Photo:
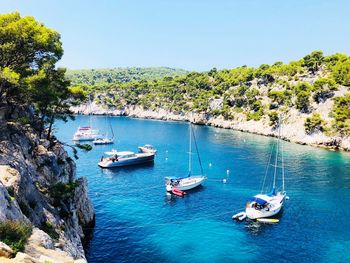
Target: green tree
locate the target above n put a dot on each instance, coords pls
(274, 118)
(28, 54)
(314, 124)
(341, 113)
(25, 45)
(341, 72)
(323, 89)
(303, 101)
(314, 60)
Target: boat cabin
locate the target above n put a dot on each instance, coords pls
(259, 202)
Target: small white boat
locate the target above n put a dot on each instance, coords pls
(125, 158)
(147, 148)
(101, 141)
(239, 216)
(85, 134)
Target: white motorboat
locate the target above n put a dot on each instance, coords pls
(125, 158)
(267, 205)
(85, 134)
(190, 181)
(101, 141)
(147, 148)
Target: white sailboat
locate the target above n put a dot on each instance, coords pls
(270, 204)
(105, 140)
(191, 181)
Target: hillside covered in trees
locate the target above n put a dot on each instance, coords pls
(311, 93)
(102, 76)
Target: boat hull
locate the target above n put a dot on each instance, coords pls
(139, 159)
(274, 209)
(189, 183)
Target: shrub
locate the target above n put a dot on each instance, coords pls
(324, 88)
(15, 234)
(341, 113)
(273, 116)
(314, 124)
(341, 72)
(63, 191)
(303, 102)
(49, 229)
(256, 116)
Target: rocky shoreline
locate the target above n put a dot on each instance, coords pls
(31, 171)
(293, 126)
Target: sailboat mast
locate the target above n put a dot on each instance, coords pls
(190, 149)
(282, 163)
(276, 158)
(90, 111)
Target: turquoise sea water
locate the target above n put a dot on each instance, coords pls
(137, 222)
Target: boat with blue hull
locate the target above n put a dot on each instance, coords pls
(125, 158)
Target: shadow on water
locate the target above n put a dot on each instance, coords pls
(256, 228)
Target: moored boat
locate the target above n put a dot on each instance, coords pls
(190, 181)
(270, 204)
(125, 158)
(85, 133)
(147, 148)
(101, 141)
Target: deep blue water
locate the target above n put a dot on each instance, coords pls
(137, 222)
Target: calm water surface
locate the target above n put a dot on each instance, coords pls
(137, 222)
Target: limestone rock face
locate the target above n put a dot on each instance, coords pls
(5, 250)
(29, 168)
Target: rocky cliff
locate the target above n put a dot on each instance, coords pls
(38, 186)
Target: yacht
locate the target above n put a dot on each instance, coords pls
(118, 159)
(147, 148)
(85, 134)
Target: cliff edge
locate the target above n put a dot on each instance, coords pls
(39, 189)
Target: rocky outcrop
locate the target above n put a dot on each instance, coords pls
(293, 126)
(30, 168)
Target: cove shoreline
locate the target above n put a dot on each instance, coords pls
(293, 130)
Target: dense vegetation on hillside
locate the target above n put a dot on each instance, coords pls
(100, 76)
(29, 78)
(255, 93)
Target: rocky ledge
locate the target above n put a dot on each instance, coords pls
(39, 188)
(293, 125)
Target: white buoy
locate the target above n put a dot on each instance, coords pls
(209, 164)
(227, 172)
(224, 181)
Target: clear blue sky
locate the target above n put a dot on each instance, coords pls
(190, 34)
